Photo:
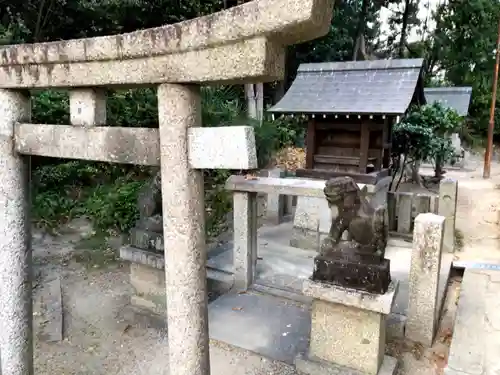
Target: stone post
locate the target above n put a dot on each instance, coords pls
(87, 107)
(447, 207)
(179, 107)
(275, 208)
(245, 239)
(424, 278)
(16, 311)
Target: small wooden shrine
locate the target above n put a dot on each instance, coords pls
(351, 108)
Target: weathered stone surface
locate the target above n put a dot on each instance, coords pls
(149, 288)
(16, 332)
(348, 326)
(306, 364)
(137, 145)
(447, 207)
(87, 107)
(179, 107)
(226, 147)
(313, 214)
(347, 336)
(146, 240)
(229, 45)
(364, 272)
(245, 239)
(286, 186)
(476, 333)
(381, 303)
(144, 257)
(424, 278)
(52, 311)
(380, 190)
(275, 203)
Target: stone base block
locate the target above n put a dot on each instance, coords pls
(307, 364)
(348, 327)
(147, 240)
(143, 318)
(364, 272)
(149, 288)
(306, 239)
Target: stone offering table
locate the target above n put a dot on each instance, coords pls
(347, 331)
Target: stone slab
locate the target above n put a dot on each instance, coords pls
(225, 147)
(146, 240)
(276, 328)
(380, 303)
(138, 145)
(315, 366)
(52, 311)
(312, 214)
(283, 186)
(476, 335)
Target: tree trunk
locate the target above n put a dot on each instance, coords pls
(360, 32)
(404, 27)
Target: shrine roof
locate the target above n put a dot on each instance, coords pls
(457, 98)
(355, 87)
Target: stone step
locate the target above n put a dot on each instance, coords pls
(476, 336)
(276, 328)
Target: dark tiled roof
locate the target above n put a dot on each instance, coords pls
(457, 98)
(354, 87)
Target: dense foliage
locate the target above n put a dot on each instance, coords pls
(107, 193)
(423, 135)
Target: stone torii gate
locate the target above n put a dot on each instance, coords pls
(244, 44)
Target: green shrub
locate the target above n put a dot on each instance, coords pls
(107, 193)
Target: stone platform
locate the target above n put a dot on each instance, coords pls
(282, 268)
(476, 338)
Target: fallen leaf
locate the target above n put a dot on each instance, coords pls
(127, 328)
(251, 177)
(237, 308)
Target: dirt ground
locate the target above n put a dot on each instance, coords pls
(96, 290)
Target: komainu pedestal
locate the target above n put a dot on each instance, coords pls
(351, 289)
(347, 331)
(357, 262)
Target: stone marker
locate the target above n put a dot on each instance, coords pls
(275, 207)
(245, 239)
(447, 207)
(424, 278)
(347, 331)
(311, 223)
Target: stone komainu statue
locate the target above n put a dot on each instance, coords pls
(150, 205)
(367, 226)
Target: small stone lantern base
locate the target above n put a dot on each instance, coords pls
(347, 331)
